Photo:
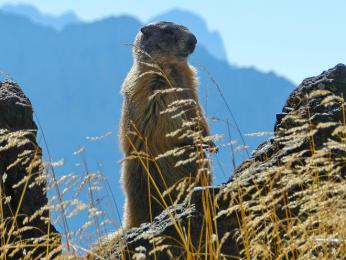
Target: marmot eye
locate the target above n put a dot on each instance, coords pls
(168, 31)
(146, 30)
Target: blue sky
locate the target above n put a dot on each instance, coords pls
(296, 38)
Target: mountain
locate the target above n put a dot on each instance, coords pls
(73, 79)
(56, 22)
(211, 40)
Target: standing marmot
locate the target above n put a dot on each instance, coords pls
(163, 132)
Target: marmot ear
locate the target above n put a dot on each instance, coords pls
(146, 30)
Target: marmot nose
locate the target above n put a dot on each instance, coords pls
(191, 43)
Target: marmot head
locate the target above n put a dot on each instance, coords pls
(164, 42)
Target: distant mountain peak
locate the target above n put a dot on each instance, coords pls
(211, 40)
(36, 16)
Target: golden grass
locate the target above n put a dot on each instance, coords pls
(14, 226)
(292, 209)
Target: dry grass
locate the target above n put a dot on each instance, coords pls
(292, 210)
(295, 207)
(15, 226)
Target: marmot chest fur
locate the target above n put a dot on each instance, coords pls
(163, 131)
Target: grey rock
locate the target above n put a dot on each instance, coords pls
(21, 178)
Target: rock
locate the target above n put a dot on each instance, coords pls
(25, 221)
(16, 109)
(286, 201)
(162, 239)
(293, 188)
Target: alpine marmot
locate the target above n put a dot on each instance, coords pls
(163, 131)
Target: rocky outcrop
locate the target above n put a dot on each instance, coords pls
(294, 187)
(286, 201)
(24, 216)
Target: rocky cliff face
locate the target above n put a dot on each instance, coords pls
(24, 217)
(286, 201)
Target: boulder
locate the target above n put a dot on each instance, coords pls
(24, 220)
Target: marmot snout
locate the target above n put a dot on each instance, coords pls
(163, 131)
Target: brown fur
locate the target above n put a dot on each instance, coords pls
(144, 127)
